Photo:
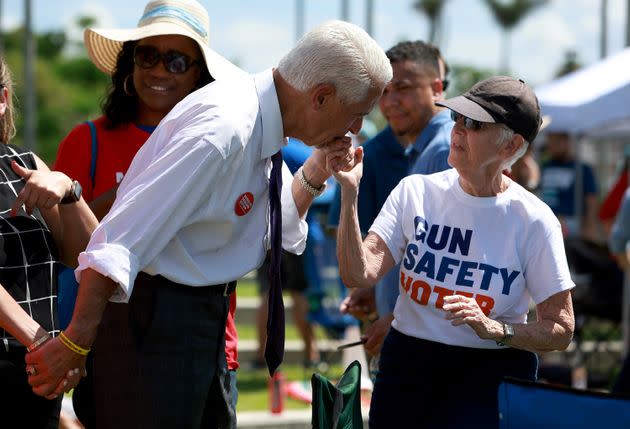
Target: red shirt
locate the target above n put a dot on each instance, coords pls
(115, 150)
(231, 336)
(611, 204)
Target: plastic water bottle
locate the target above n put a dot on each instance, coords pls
(276, 393)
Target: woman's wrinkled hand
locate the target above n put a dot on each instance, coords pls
(463, 310)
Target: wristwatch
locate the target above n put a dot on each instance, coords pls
(508, 333)
(74, 195)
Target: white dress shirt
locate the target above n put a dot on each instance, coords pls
(176, 211)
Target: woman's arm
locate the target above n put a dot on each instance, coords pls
(17, 322)
(552, 330)
(70, 224)
(361, 263)
(100, 205)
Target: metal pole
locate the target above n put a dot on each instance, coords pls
(603, 42)
(628, 23)
(578, 190)
(345, 10)
(369, 17)
(30, 111)
(299, 19)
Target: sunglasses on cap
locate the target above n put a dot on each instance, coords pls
(147, 56)
(469, 124)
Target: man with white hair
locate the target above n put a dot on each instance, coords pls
(196, 211)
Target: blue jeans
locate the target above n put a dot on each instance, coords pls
(233, 389)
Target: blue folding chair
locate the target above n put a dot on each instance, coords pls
(527, 405)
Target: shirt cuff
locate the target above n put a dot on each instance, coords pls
(294, 229)
(112, 261)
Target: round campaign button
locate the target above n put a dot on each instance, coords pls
(244, 204)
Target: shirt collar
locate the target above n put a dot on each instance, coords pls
(272, 131)
(428, 132)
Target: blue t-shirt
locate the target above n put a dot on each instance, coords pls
(294, 154)
(384, 164)
(433, 145)
(557, 186)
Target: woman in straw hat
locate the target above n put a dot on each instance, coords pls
(153, 67)
(35, 232)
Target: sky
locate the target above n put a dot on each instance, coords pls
(256, 33)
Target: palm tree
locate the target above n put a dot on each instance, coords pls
(569, 65)
(433, 11)
(508, 14)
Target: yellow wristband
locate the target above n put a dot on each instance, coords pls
(72, 346)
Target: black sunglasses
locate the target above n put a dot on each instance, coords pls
(469, 124)
(147, 56)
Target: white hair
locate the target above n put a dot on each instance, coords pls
(337, 53)
(505, 134)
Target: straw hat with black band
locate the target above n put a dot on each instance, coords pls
(160, 17)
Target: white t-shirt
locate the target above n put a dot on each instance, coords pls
(500, 250)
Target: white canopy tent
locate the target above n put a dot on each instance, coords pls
(593, 102)
(590, 98)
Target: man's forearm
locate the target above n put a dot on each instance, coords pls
(78, 222)
(94, 293)
(315, 175)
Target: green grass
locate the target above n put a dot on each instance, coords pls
(248, 332)
(253, 386)
(247, 287)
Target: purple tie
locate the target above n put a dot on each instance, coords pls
(274, 348)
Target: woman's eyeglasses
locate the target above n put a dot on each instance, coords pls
(147, 56)
(469, 124)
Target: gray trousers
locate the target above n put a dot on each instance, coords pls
(159, 361)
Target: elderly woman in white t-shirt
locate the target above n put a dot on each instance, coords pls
(474, 247)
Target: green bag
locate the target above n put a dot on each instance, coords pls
(338, 406)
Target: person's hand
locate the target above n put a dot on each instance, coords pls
(464, 310)
(375, 333)
(350, 178)
(334, 156)
(49, 366)
(328, 158)
(43, 189)
(360, 303)
(340, 156)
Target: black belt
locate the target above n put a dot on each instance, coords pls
(224, 289)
